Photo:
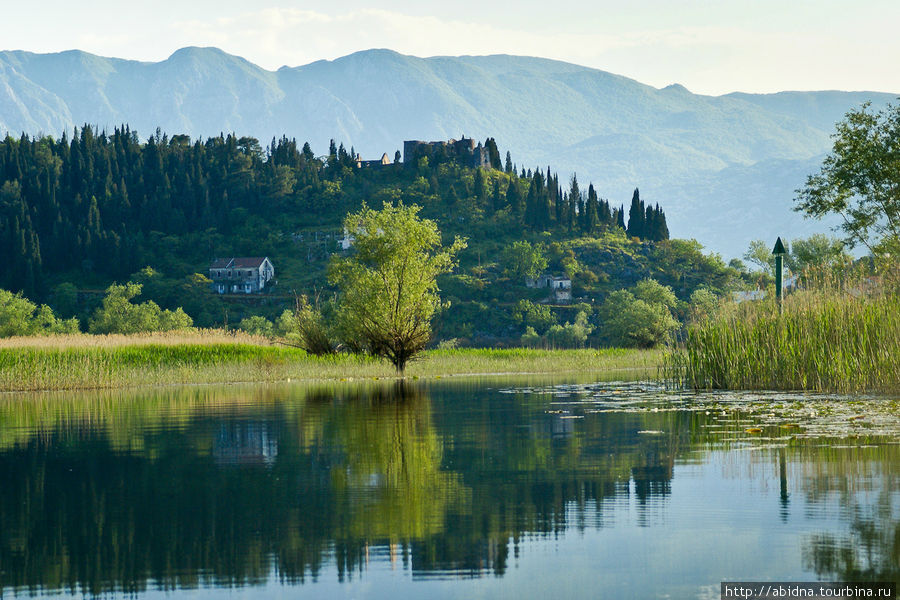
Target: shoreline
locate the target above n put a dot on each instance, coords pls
(61, 364)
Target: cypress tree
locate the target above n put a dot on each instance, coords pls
(493, 153)
(592, 212)
(513, 197)
(480, 187)
(605, 215)
(636, 216)
(575, 196)
(662, 229)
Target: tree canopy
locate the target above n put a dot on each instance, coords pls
(524, 260)
(119, 315)
(860, 180)
(388, 284)
(640, 317)
(20, 316)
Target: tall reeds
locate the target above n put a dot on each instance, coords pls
(839, 332)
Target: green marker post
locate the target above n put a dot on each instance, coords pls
(778, 251)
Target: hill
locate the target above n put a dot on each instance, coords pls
(78, 213)
(695, 154)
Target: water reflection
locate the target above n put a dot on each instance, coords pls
(223, 487)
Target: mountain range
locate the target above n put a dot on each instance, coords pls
(724, 168)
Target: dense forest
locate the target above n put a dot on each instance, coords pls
(95, 208)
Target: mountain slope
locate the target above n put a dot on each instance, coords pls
(689, 152)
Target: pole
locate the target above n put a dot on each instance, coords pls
(778, 251)
(779, 265)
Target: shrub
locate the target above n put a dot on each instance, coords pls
(119, 315)
(21, 316)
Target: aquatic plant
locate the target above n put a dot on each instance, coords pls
(840, 332)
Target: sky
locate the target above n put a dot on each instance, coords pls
(709, 46)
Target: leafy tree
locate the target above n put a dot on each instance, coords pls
(531, 338)
(570, 335)
(760, 254)
(21, 316)
(640, 319)
(257, 325)
(818, 250)
(388, 284)
(653, 292)
(521, 259)
(305, 327)
(860, 180)
(119, 315)
(703, 304)
(537, 316)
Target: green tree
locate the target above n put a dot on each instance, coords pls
(703, 304)
(531, 338)
(570, 335)
(21, 316)
(636, 216)
(257, 325)
(760, 254)
(389, 291)
(818, 250)
(306, 328)
(653, 292)
(537, 316)
(521, 259)
(860, 180)
(119, 315)
(640, 319)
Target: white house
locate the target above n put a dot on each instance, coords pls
(244, 275)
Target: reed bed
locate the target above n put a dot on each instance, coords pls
(840, 333)
(99, 362)
(166, 338)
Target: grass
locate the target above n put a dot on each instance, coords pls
(98, 362)
(839, 334)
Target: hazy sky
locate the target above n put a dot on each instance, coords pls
(710, 46)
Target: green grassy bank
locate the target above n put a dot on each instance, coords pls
(825, 340)
(95, 362)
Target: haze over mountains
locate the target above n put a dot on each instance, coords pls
(724, 168)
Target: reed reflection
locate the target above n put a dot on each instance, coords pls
(239, 486)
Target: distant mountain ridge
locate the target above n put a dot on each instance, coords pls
(723, 167)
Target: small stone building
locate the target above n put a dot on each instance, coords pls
(465, 152)
(561, 287)
(382, 162)
(243, 275)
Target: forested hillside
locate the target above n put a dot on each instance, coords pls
(744, 154)
(85, 211)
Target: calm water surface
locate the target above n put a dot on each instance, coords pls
(457, 489)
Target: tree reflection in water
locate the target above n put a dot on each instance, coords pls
(236, 486)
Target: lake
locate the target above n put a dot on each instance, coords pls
(455, 488)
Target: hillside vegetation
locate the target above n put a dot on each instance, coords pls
(744, 153)
(79, 214)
